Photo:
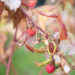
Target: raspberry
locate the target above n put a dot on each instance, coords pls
(32, 4)
(31, 32)
(50, 69)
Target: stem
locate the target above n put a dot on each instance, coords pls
(41, 71)
(51, 15)
(12, 50)
(3, 61)
(15, 40)
(67, 60)
(10, 59)
(21, 36)
(72, 70)
(73, 66)
(13, 69)
(72, 58)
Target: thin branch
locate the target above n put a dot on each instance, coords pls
(72, 70)
(11, 53)
(21, 36)
(73, 66)
(51, 15)
(41, 71)
(16, 30)
(67, 61)
(72, 58)
(13, 69)
(10, 59)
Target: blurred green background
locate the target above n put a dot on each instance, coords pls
(23, 61)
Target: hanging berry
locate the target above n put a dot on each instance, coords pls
(50, 69)
(32, 3)
(31, 32)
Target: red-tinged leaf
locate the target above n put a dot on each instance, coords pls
(29, 47)
(63, 30)
(17, 18)
(63, 36)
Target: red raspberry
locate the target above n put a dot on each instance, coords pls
(31, 32)
(50, 69)
(32, 4)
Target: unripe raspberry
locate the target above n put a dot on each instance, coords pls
(50, 69)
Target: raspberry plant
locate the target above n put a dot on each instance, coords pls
(23, 10)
